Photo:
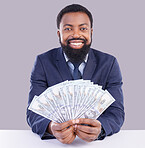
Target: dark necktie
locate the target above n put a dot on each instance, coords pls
(76, 72)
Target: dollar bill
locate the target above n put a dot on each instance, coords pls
(71, 100)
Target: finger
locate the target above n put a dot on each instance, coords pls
(60, 126)
(88, 129)
(72, 139)
(63, 134)
(86, 137)
(92, 122)
(67, 139)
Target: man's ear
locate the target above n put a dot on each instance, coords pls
(91, 31)
(58, 33)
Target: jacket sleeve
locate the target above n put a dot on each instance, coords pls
(113, 118)
(39, 84)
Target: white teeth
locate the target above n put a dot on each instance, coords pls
(76, 44)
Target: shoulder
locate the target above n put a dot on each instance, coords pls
(47, 57)
(99, 53)
(49, 53)
(102, 56)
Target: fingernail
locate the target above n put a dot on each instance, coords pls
(73, 121)
(77, 121)
(75, 127)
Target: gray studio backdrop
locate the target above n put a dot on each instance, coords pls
(28, 28)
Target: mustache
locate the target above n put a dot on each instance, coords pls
(68, 41)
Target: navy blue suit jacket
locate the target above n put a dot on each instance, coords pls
(51, 68)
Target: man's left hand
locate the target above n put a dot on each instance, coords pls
(87, 133)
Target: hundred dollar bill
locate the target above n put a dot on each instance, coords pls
(70, 92)
(86, 98)
(99, 106)
(72, 99)
(37, 107)
(57, 103)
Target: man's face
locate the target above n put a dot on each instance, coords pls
(75, 35)
(75, 25)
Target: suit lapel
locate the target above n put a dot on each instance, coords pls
(62, 66)
(64, 69)
(90, 66)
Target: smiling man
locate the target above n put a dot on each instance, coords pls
(75, 34)
(75, 28)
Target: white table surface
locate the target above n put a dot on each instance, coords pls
(27, 139)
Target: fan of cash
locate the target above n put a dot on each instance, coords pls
(71, 100)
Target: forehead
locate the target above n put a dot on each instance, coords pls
(75, 18)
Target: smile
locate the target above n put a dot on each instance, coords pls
(76, 44)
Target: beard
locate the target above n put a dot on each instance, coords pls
(76, 55)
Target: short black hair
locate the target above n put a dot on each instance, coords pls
(74, 8)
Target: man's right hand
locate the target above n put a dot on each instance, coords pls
(64, 132)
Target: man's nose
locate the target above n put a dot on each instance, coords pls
(76, 33)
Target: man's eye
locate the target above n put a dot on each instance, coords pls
(68, 29)
(83, 28)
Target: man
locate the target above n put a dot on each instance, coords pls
(75, 30)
